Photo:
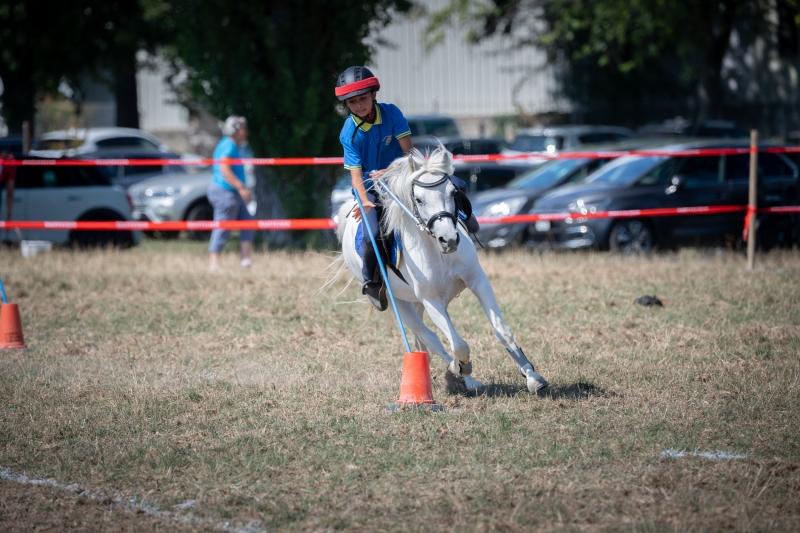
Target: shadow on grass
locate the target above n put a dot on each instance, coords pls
(571, 391)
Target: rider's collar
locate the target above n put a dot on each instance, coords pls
(363, 125)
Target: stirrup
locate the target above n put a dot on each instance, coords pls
(376, 294)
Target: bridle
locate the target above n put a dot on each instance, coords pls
(437, 216)
(426, 226)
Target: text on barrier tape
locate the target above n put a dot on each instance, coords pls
(296, 224)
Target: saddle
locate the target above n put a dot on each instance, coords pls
(390, 247)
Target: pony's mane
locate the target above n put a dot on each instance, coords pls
(399, 177)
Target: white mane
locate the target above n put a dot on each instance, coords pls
(399, 178)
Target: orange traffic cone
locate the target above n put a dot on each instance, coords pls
(10, 327)
(415, 384)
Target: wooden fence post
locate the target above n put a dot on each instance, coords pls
(752, 203)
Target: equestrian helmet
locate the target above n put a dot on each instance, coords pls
(355, 81)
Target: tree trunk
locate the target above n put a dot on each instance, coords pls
(125, 90)
(18, 100)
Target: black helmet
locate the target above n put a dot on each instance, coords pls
(355, 81)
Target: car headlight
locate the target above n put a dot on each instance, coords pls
(504, 208)
(162, 191)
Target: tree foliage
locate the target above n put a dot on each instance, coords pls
(629, 59)
(276, 63)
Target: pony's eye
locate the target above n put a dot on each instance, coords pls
(418, 200)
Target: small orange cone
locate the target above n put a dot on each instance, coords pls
(415, 384)
(10, 327)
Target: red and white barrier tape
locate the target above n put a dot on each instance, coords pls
(313, 161)
(328, 224)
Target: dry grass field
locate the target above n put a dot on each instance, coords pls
(247, 400)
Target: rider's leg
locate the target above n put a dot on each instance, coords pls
(372, 287)
(464, 206)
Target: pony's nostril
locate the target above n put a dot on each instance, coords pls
(442, 240)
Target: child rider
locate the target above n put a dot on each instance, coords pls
(373, 135)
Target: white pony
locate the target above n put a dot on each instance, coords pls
(438, 261)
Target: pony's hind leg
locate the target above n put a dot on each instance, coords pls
(483, 290)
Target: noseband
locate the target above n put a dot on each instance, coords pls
(428, 226)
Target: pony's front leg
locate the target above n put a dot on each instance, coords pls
(483, 290)
(422, 333)
(461, 366)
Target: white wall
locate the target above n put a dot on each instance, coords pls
(459, 79)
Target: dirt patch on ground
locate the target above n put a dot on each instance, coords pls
(35, 508)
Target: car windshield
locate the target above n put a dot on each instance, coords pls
(57, 144)
(625, 170)
(547, 175)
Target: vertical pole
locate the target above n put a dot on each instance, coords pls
(752, 203)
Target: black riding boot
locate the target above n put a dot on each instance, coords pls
(373, 287)
(464, 207)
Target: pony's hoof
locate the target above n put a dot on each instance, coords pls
(536, 383)
(457, 368)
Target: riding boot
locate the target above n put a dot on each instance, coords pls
(472, 224)
(373, 288)
(465, 213)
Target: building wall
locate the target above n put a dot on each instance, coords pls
(472, 83)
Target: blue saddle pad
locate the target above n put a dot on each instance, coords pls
(395, 246)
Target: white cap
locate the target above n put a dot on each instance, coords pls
(233, 124)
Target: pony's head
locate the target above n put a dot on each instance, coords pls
(423, 186)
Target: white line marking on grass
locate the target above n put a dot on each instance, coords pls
(713, 455)
(133, 503)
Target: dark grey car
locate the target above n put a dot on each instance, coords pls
(664, 181)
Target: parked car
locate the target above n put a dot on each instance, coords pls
(64, 193)
(488, 175)
(643, 182)
(519, 195)
(127, 175)
(341, 193)
(459, 145)
(12, 145)
(173, 197)
(558, 138)
(679, 126)
(436, 125)
(73, 142)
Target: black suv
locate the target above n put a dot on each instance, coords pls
(645, 182)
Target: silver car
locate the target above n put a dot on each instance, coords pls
(173, 197)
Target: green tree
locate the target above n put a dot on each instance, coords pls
(33, 61)
(276, 63)
(42, 49)
(628, 60)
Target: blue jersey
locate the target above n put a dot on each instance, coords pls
(227, 148)
(373, 146)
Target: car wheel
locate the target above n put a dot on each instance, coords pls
(631, 237)
(200, 211)
(96, 239)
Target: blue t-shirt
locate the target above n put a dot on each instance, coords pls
(227, 148)
(373, 146)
